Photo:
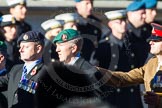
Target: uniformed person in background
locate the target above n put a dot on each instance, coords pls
(70, 20)
(114, 53)
(150, 74)
(8, 29)
(151, 12)
(19, 10)
(51, 27)
(88, 24)
(136, 33)
(3, 72)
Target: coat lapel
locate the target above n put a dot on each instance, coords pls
(79, 62)
(34, 70)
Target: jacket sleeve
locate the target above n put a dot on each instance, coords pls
(160, 103)
(3, 83)
(121, 79)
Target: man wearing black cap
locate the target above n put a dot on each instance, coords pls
(150, 74)
(89, 25)
(136, 31)
(114, 53)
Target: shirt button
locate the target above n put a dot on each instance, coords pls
(118, 90)
(131, 90)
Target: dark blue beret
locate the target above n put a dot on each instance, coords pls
(136, 5)
(150, 3)
(31, 36)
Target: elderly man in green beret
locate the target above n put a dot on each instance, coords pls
(68, 46)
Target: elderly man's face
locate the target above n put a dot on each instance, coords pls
(84, 8)
(65, 51)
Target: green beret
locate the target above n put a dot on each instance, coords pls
(66, 35)
(3, 46)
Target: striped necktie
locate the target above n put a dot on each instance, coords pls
(24, 72)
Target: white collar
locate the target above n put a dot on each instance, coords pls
(73, 61)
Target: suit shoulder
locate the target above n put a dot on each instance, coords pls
(17, 67)
(153, 60)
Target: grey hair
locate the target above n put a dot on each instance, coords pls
(78, 42)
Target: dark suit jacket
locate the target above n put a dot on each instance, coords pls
(19, 98)
(93, 74)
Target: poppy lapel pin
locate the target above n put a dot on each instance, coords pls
(34, 71)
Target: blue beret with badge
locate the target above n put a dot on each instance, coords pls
(7, 20)
(31, 36)
(136, 5)
(150, 3)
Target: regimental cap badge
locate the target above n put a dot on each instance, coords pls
(153, 31)
(25, 37)
(64, 37)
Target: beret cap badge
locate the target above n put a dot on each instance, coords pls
(25, 37)
(64, 37)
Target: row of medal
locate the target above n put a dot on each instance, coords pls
(28, 85)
